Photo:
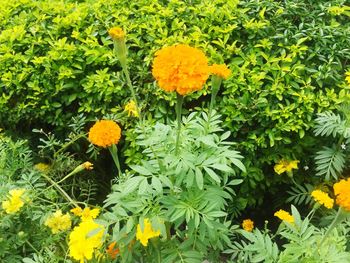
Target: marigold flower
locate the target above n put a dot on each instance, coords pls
(15, 202)
(131, 109)
(147, 232)
(112, 250)
(42, 167)
(86, 213)
(285, 216)
(180, 68)
(285, 166)
(342, 193)
(248, 225)
(88, 166)
(58, 222)
(347, 77)
(322, 198)
(85, 239)
(116, 33)
(221, 70)
(105, 133)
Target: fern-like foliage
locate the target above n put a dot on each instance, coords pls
(300, 194)
(330, 162)
(329, 123)
(260, 248)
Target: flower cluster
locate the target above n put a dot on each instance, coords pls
(322, 198)
(15, 201)
(180, 68)
(285, 216)
(248, 225)
(285, 166)
(147, 232)
(105, 133)
(42, 167)
(342, 194)
(85, 239)
(58, 222)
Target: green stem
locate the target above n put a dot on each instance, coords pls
(69, 143)
(120, 50)
(114, 152)
(64, 194)
(179, 102)
(338, 218)
(30, 244)
(215, 86)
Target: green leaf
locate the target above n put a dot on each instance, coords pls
(212, 174)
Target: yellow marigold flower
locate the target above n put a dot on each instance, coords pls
(88, 166)
(284, 215)
(85, 239)
(14, 202)
(180, 68)
(131, 109)
(116, 33)
(42, 167)
(322, 198)
(285, 166)
(336, 10)
(58, 222)
(342, 194)
(86, 213)
(347, 78)
(220, 70)
(105, 133)
(147, 232)
(248, 225)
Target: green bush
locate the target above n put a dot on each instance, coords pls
(287, 57)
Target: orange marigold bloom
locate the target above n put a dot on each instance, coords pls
(180, 68)
(105, 133)
(342, 193)
(113, 250)
(116, 33)
(248, 225)
(221, 70)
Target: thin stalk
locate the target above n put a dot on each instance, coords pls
(179, 102)
(69, 143)
(64, 194)
(338, 218)
(215, 86)
(114, 152)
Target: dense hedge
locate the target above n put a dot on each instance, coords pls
(288, 60)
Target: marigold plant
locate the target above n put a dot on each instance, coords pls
(147, 233)
(116, 33)
(105, 133)
(220, 70)
(85, 239)
(58, 222)
(131, 109)
(86, 213)
(322, 198)
(248, 225)
(284, 215)
(285, 166)
(342, 193)
(15, 201)
(180, 68)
